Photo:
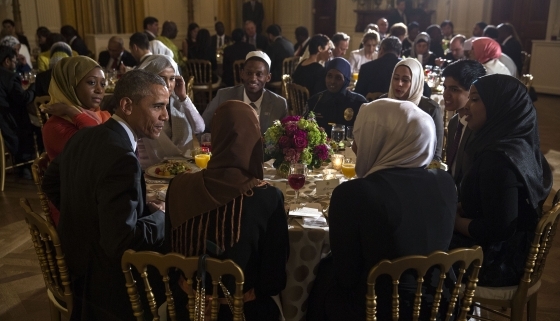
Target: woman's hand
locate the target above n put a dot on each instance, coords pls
(60, 110)
(180, 88)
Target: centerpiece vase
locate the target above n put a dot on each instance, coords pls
(283, 170)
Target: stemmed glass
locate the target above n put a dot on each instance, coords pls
(296, 178)
(350, 134)
(349, 168)
(337, 134)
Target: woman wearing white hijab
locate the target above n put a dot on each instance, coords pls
(408, 84)
(158, 48)
(394, 208)
(179, 132)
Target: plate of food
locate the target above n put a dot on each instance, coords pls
(169, 168)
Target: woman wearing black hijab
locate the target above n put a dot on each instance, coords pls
(337, 104)
(509, 179)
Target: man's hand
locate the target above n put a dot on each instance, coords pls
(60, 110)
(155, 206)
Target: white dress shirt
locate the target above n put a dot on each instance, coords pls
(257, 102)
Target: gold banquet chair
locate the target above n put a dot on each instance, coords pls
(525, 293)
(288, 67)
(53, 264)
(237, 68)
(298, 97)
(4, 156)
(38, 170)
(527, 80)
(201, 70)
(286, 79)
(526, 62)
(43, 117)
(189, 88)
(465, 257)
(189, 266)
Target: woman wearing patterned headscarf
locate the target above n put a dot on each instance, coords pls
(421, 47)
(179, 132)
(487, 51)
(509, 179)
(229, 206)
(408, 84)
(337, 104)
(394, 203)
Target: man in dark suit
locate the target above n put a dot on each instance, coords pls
(254, 38)
(255, 74)
(509, 41)
(151, 27)
(98, 185)
(74, 40)
(253, 10)
(220, 39)
(302, 41)
(398, 14)
(375, 76)
(278, 50)
(115, 54)
(139, 48)
(237, 51)
(459, 77)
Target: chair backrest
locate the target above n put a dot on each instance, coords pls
(463, 257)
(237, 68)
(289, 65)
(43, 117)
(373, 96)
(188, 265)
(38, 169)
(556, 198)
(526, 60)
(286, 79)
(527, 80)
(298, 96)
(51, 258)
(190, 84)
(201, 70)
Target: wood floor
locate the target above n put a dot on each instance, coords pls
(22, 291)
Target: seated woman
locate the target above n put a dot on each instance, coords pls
(77, 88)
(367, 53)
(190, 41)
(395, 208)
(44, 57)
(168, 33)
(310, 73)
(408, 84)
(337, 104)
(421, 47)
(507, 182)
(179, 132)
(487, 51)
(230, 193)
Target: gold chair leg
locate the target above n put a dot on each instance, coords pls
(532, 308)
(55, 313)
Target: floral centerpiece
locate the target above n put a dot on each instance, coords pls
(295, 139)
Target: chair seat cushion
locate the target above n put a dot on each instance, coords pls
(502, 293)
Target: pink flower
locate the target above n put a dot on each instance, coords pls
(290, 119)
(300, 142)
(321, 151)
(291, 128)
(284, 142)
(291, 155)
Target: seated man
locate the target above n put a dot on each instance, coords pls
(236, 51)
(97, 184)
(375, 76)
(74, 40)
(255, 74)
(115, 55)
(456, 51)
(278, 50)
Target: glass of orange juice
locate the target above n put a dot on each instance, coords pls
(201, 160)
(349, 168)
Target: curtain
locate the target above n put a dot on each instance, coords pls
(227, 10)
(77, 13)
(269, 13)
(131, 15)
(104, 22)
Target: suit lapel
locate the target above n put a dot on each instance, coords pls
(114, 125)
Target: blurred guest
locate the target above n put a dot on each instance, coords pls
(9, 29)
(204, 50)
(190, 41)
(478, 29)
(511, 44)
(184, 123)
(447, 29)
(398, 14)
(408, 84)
(220, 39)
(375, 76)
(487, 52)
(398, 30)
(436, 37)
(74, 40)
(337, 104)
(43, 59)
(255, 74)
(42, 34)
(278, 50)
(456, 51)
(158, 48)
(115, 54)
(168, 33)
(310, 73)
(237, 51)
(371, 26)
(369, 211)
(302, 39)
(233, 186)
(253, 37)
(421, 49)
(367, 53)
(491, 32)
(459, 77)
(58, 51)
(253, 10)
(23, 58)
(151, 27)
(413, 31)
(341, 42)
(503, 192)
(383, 25)
(139, 47)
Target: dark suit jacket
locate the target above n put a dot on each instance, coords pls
(98, 185)
(42, 83)
(395, 17)
(214, 40)
(261, 41)
(256, 15)
(512, 48)
(375, 76)
(150, 36)
(461, 164)
(80, 47)
(237, 51)
(279, 50)
(126, 58)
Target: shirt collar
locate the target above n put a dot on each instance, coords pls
(506, 40)
(72, 40)
(257, 102)
(131, 135)
(151, 33)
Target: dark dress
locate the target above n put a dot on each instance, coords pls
(386, 215)
(262, 251)
(330, 108)
(311, 77)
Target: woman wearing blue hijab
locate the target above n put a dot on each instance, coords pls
(337, 104)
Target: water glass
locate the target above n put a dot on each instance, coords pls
(350, 134)
(206, 141)
(337, 134)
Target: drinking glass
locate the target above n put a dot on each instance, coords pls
(296, 178)
(350, 134)
(201, 159)
(337, 134)
(25, 80)
(206, 141)
(349, 168)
